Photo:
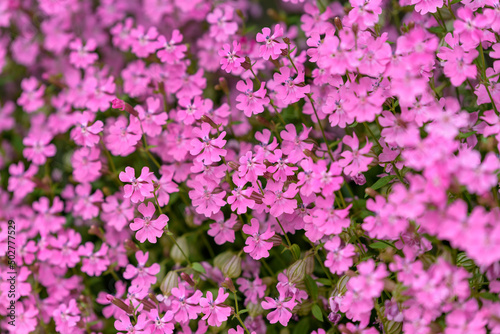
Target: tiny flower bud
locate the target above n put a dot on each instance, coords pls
(130, 245)
(232, 267)
(223, 85)
(120, 303)
(176, 254)
(222, 258)
(263, 121)
(276, 240)
(355, 29)
(208, 120)
(170, 281)
(310, 154)
(284, 52)
(148, 305)
(94, 230)
(240, 14)
(370, 192)
(188, 279)
(338, 23)
(297, 271)
(122, 105)
(247, 64)
(234, 165)
(228, 284)
(254, 309)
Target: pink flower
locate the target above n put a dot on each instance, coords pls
(82, 56)
(250, 168)
(66, 317)
(253, 289)
(272, 47)
(251, 102)
(140, 188)
(38, 147)
(32, 97)
(459, 62)
(160, 325)
(256, 245)
(141, 275)
(281, 170)
(206, 196)
(144, 43)
(356, 161)
(86, 164)
(229, 59)
(294, 145)
(280, 200)
(153, 117)
(221, 25)
(214, 313)
(291, 90)
(94, 264)
(171, 52)
(83, 133)
(338, 258)
(427, 6)
(283, 309)
(240, 198)
(124, 324)
(222, 229)
(205, 148)
(147, 227)
(185, 304)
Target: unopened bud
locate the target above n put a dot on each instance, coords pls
(222, 258)
(254, 309)
(152, 296)
(130, 245)
(223, 85)
(228, 284)
(338, 23)
(240, 14)
(94, 230)
(297, 271)
(284, 52)
(234, 165)
(176, 254)
(122, 105)
(186, 278)
(148, 305)
(411, 25)
(310, 154)
(247, 64)
(232, 267)
(341, 284)
(276, 240)
(370, 192)
(393, 327)
(120, 303)
(208, 120)
(286, 40)
(355, 29)
(263, 121)
(170, 281)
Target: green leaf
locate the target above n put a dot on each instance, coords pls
(324, 281)
(311, 287)
(243, 311)
(295, 249)
(378, 245)
(489, 296)
(382, 182)
(302, 327)
(316, 311)
(353, 125)
(466, 135)
(198, 267)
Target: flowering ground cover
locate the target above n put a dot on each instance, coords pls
(241, 166)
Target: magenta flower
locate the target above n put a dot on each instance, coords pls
(171, 52)
(221, 25)
(83, 133)
(222, 229)
(251, 102)
(214, 313)
(205, 148)
(141, 275)
(338, 258)
(94, 264)
(82, 55)
(355, 161)
(38, 147)
(291, 89)
(66, 316)
(256, 245)
(32, 97)
(283, 309)
(140, 188)
(207, 198)
(230, 61)
(185, 304)
(272, 47)
(147, 227)
(124, 324)
(279, 199)
(294, 145)
(144, 42)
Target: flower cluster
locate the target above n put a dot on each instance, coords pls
(239, 166)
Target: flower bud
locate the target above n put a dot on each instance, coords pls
(232, 267)
(208, 120)
(297, 271)
(276, 240)
(176, 254)
(355, 29)
(130, 245)
(222, 258)
(188, 279)
(341, 284)
(370, 192)
(393, 327)
(120, 303)
(170, 281)
(223, 85)
(148, 305)
(254, 309)
(263, 121)
(228, 284)
(284, 52)
(338, 23)
(247, 63)
(234, 165)
(122, 105)
(94, 230)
